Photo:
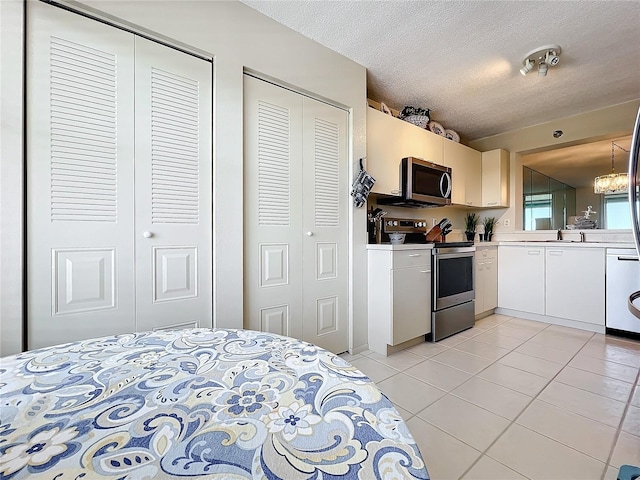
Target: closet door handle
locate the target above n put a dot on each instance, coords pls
(147, 234)
(309, 234)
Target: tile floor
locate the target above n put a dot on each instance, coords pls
(514, 399)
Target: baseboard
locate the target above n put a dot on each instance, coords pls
(359, 349)
(564, 322)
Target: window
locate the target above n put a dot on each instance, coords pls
(616, 212)
(537, 211)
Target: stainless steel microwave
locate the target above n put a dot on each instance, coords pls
(422, 184)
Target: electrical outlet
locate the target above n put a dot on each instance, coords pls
(434, 222)
(506, 222)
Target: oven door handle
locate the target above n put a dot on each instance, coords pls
(447, 193)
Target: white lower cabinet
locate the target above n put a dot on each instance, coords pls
(486, 279)
(521, 279)
(575, 281)
(399, 296)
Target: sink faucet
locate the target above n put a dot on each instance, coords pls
(581, 237)
(559, 235)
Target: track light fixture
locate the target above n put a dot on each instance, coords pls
(544, 57)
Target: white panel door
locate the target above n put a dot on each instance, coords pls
(325, 202)
(273, 209)
(173, 188)
(79, 177)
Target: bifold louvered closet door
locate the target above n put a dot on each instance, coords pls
(296, 207)
(118, 181)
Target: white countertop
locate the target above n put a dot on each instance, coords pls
(404, 246)
(561, 244)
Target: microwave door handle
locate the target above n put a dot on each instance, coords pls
(448, 192)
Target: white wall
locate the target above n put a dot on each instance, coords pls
(238, 38)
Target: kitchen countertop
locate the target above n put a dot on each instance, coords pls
(404, 246)
(563, 244)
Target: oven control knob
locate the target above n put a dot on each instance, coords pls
(389, 222)
(395, 223)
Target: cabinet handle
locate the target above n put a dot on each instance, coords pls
(414, 255)
(534, 252)
(425, 271)
(628, 259)
(555, 253)
(395, 192)
(492, 203)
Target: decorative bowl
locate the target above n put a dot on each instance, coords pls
(396, 238)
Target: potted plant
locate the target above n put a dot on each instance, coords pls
(470, 222)
(489, 223)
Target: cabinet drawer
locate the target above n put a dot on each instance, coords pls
(486, 253)
(411, 258)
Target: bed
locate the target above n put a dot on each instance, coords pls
(197, 403)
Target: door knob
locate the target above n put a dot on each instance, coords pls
(309, 234)
(147, 234)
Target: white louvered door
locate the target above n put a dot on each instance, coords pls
(296, 234)
(105, 165)
(79, 178)
(273, 209)
(173, 188)
(325, 209)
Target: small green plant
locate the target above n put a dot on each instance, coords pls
(470, 222)
(489, 223)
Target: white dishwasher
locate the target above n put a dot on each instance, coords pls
(623, 278)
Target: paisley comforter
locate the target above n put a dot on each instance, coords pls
(199, 403)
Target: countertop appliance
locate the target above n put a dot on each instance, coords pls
(422, 184)
(623, 276)
(633, 302)
(453, 296)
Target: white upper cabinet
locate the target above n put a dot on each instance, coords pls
(389, 140)
(466, 173)
(495, 178)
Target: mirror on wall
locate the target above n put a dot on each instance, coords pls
(548, 203)
(559, 186)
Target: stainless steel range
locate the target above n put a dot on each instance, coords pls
(453, 299)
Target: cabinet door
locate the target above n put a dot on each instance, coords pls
(411, 303)
(521, 279)
(384, 151)
(490, 287)
(420, 143)
(466, 171)
(479, 287)
(495, 178)
(576, 284)
(80, 190)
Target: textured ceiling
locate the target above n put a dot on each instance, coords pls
(461, 59)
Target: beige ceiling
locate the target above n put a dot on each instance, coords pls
(580, 164)
(462, 58)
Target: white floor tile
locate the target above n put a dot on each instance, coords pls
(515, 379)
(485, 350)
(588, 436)
(612, 352)
(611, 473)
(603, 367)
(561, 342)
(527, 324)
(427, 349)
(631, 423)
(595, 407)
(408, 393)
(400, 360)
(488, 469)
(446, 457)
(508, 330)
(438, 375)
(626, 451)
(537, 366)
(374, 370)
(473, 425)
(635, 401)
(348, 357)
(570, 332)
(497, 399)
(503, 341)
(547, 353)
(543, 458)
(453, 340)
(594, 383)
(462, 361)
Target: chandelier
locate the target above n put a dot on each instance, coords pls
(614, 182)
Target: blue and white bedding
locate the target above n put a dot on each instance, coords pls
(199, 403)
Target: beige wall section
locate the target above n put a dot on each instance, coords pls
(595, 125)
(238, 38)
(11, 178)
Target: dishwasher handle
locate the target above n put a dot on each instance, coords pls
(625, 258)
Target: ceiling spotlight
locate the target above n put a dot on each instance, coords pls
(544, 57)
(527, 67)
(542, 69)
